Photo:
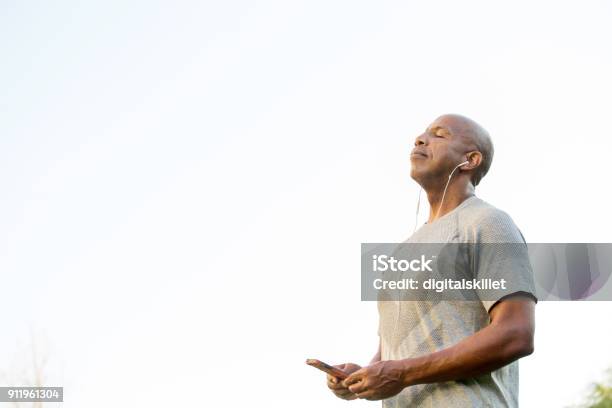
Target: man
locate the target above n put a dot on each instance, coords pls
(453, 353)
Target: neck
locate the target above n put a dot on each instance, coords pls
(457, 192)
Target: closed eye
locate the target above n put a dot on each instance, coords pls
(440, 132)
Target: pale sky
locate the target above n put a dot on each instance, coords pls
(186, 184)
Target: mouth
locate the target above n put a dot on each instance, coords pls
(418, 155)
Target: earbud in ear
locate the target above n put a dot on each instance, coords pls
(464, 163)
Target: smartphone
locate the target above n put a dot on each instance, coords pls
(336, 372)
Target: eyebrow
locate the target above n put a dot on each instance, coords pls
(436, 128)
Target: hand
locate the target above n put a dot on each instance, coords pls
(377, 381)
(335, 384)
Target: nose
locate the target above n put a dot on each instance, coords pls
(420, 140)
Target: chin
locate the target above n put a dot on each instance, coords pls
(415, 175)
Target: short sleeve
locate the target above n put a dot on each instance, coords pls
(500, 259)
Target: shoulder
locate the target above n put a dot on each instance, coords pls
(482, 212)
(487, 223)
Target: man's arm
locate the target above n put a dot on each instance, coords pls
(508, 337)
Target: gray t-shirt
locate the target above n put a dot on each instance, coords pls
(415, 328)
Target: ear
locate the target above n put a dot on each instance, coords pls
(474, 158)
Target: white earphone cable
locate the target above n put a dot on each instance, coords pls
(445, 187)
(416, 217)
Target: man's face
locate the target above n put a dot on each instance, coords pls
(438, 150)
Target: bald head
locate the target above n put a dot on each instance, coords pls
(474, 137)
(447, 142)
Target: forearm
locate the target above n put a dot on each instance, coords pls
(487, 350)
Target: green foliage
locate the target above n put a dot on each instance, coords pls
(601, 394)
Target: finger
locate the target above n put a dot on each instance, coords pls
(369, 395)
(335, 383)
(353, 378)
(345, 394)
(350, 397)
(341, 367)
(331, 380)
(337, 386)
(357, 388)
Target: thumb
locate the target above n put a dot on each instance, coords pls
(353, 378)
(341, 366)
